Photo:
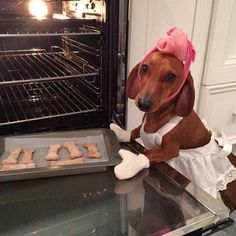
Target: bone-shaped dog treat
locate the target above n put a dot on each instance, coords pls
(73, 150)
(67, 162)
(27, 156)
(18, 166)
(12, 157)
(52, 154)
(92, 150)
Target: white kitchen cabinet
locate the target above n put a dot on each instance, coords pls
(220, 65)
(219, 108)
(217, 102)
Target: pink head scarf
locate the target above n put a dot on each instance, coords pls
(177, 44)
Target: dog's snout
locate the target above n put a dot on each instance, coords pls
(145, 103)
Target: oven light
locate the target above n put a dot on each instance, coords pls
(38, 8)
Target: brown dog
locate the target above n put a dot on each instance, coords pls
(162, 86)
(160, 74)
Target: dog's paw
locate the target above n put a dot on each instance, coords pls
(130, 165)
(121, 134)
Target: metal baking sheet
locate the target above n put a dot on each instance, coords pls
(105, 139)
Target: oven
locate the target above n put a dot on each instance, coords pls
(62, 69)
(62, 64)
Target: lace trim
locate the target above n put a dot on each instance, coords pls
(229, 177)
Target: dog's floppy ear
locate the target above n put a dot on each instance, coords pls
(185, 100)
(132, 85)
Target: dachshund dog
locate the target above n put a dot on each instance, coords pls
(160, 75)
(162, 87)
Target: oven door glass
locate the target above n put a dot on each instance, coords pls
(99, 204)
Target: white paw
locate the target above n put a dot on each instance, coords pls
(121, 134)
(130, 165)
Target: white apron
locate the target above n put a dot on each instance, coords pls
(208, 167)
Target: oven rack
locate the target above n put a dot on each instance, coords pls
(43, 100)
(42, 31)
(78, 46)
(37, 66)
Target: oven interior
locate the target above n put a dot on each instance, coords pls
(58, 64)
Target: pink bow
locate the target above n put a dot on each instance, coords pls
(176, 43)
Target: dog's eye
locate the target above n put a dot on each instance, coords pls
(170, 78)
(143, 69)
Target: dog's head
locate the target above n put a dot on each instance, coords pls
(163, 75)
(156, 79)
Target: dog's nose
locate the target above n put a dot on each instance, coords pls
(144, 103)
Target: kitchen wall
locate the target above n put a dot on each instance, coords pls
(204, 21)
